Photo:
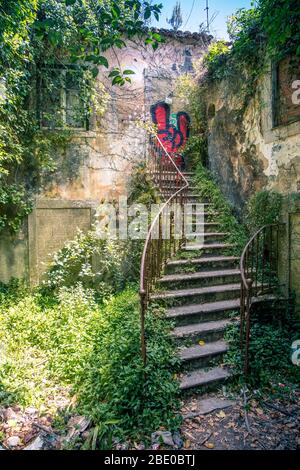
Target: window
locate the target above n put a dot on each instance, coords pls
(286, 91)
(61, 100)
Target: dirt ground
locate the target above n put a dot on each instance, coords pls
(264, 424)
(240, 422)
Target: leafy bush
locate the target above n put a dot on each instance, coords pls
(69, 345)
(140, 186)
(270, 29)
(263, 208)
(105, 266)
(34, 36)
(269, 352)
(216, 58)
(116, 384)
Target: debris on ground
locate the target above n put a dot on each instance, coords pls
(211, 422)
(266, 424)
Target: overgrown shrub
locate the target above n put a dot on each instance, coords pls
(269, 352)
(140, 186)
(72, 346)
(116, 385)
(263, 208)
(105, 266)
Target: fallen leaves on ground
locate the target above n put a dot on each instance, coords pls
(274, 424)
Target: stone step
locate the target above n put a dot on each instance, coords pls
(199, 294)
(202, 378)
(172, 174)
(165, 184)
(190, 194)
(208, 246)
(205, 237)
(194, 313)
(211, 330)
(202, 277)
(199, 356)
(202, 226)
(203, 261)
(206, 234)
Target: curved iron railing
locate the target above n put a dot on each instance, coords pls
(259, 269)
(165, 235)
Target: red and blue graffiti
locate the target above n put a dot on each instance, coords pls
(173, 137)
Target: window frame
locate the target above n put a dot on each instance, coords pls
(63, 69)
(275, 87)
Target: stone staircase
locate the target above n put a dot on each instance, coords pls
(201, 291)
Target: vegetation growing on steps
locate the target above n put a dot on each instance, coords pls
(263, 208)
(209, 191)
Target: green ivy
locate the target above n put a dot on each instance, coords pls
(35, 37)
(208, 189)
(270, 348)
(269, 29)
(263, 208)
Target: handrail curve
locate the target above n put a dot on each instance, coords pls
(160, 249)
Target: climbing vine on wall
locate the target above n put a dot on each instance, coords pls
(189, 91)
(270, 29)
(38, 37)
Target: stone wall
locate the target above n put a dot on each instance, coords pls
(247, 152)
(97, 163)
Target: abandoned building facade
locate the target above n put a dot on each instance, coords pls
(262, 151)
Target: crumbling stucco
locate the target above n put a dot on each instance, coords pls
(96, 164)
(246, 152)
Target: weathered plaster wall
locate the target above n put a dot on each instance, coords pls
(96, 165)
(14, 255)
(246, 153)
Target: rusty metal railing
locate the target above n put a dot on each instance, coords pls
(259, 278)
(165, 235)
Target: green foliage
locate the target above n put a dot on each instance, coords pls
(210, 191)
(196, 150)
(263, 208)
(215, 59)
(117, 385)
(269, 352)
(140, 187)
(280, 23)
(105, 266)
(54, 347)
(36, 38)
(268, 30)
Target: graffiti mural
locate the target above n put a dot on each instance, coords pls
(173, 136)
